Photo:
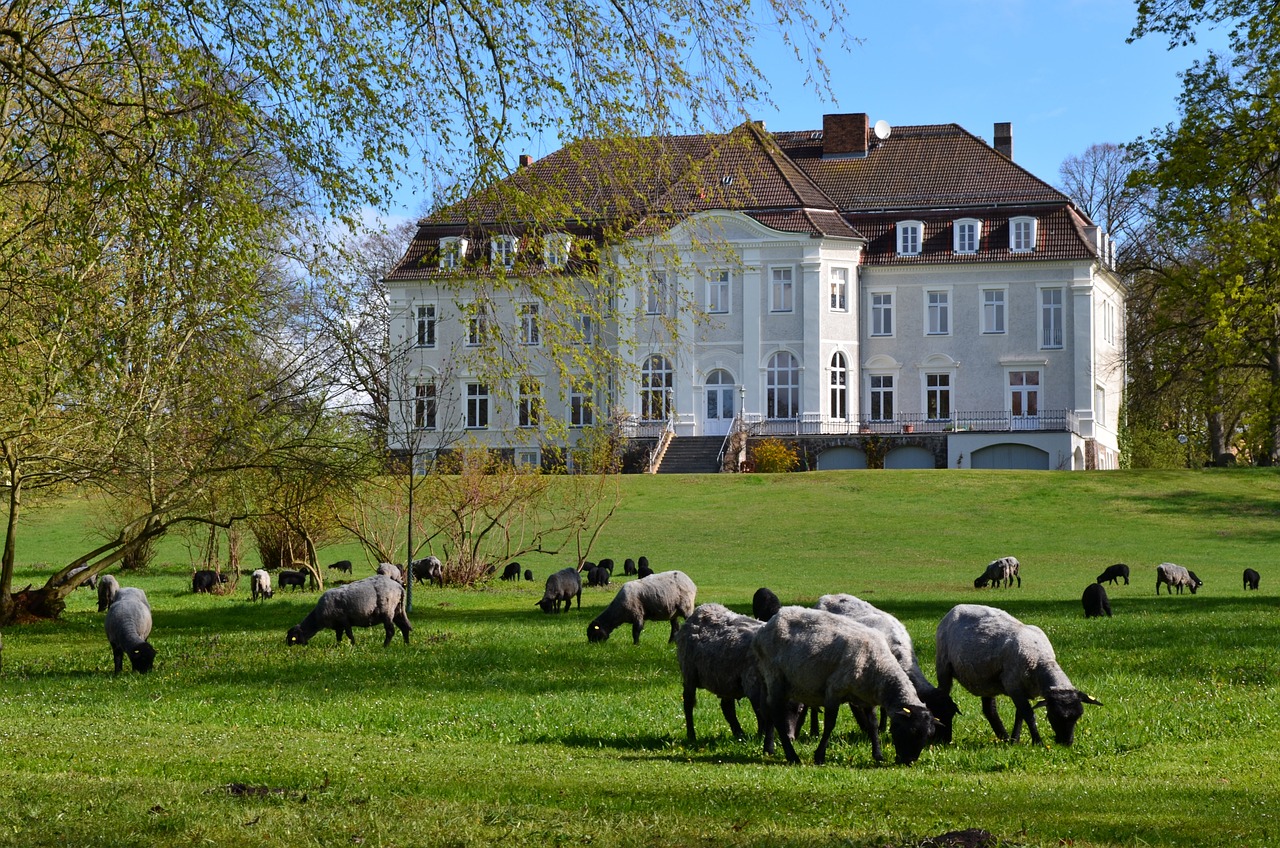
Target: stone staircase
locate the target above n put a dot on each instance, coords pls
(692, 455)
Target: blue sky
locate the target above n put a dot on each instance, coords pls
(1058, 70)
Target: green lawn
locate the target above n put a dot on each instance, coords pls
(501, 725)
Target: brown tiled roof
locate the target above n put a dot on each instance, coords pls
(1057, 237)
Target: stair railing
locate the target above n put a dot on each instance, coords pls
(664, 441)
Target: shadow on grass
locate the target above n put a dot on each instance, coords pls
(1213, 508)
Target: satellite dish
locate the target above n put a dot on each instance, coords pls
(882, 129)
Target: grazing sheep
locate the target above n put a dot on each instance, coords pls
(666, 596)
(90, 581)
(260, 584)
(819, 658)
(292, 578)
(596, 575)
(940, 704)
(713, 649)
(1096, 603)
(1114, 573)
(764, 604)
(999, 572)
(511, 572)
(108, 586)
(564, 585)
(991, 653)
(430, 569)
(128, 625)
(606, 564)
(1251, 578)
(528, 574)
(644, 570)
(390, 569)
(1172, 575)
(343, 565)
(628, 567)
(364, 603)
(206, 580)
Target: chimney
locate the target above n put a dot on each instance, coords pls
(845, 136)
(525, 160)
(1004, 140)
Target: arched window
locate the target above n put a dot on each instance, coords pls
(655, 389)
(782, 395)
(839, 387)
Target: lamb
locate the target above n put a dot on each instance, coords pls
(643, 570)
(1175, 575)
(343, 565)
(511, 572)
(564, 585)
(1096, 603)
(1113, 573)
(940, 704)
(1001, 571)
(108, 586)
(528, 575)
(364, 603)
(128, 625)
(293, 578)
(764, 604)
(260, 584)
(666, 596)
(429, 568)
(992, 653)
(713, 649)
(1251, 579)
(818, 658)
(390, 569)
(628, 567)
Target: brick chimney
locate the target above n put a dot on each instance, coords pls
(845, 136)
(1004, 140)
(525, 160)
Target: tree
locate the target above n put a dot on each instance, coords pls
(1097, 181)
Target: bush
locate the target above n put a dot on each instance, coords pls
(774, 456)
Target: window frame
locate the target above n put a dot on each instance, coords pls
(530, 326)
(957, 228)
(719, 281)
(938, 391)
(776, 392)
(882, 314)
(426, 405)
(477, 406)
(914, 229)
(839, 288)
(478, 324)
(656, 398)
(555, 250)
(425, 325)
(1052, 316)
(838, 385)
(937, 313)
(782, 289)
(582, 405)
(502, 251)
(656, 294)
(1018, 244)
(1002, 310)
(452, 251)
(876, 395)
(529, 407)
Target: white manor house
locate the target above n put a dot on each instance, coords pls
(906, 296)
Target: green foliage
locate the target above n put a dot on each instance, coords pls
(773, 456)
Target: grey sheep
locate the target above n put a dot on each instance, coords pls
(564, 585)
(390, 569)
(364, 603)
(90, 581)
(1251, 578)
(1095, 601)
(1172, 575)
(940, 704)
(430, 569)
(713, 649)
(1000, 572)
(665, 596)
(821, 659)
(128, 625)
(991, 653)
(260, 584)
(108, 586)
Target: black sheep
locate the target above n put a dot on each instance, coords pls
(765, 604)
(1096, 603)
(644, 570)
(528, 574)
(628, 567)
(1114, 573)
(205, 579)
(511, 572)
(343, 565)
(292, 578)
(1251, 578)
(606, 564)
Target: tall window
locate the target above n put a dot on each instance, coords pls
(881, 314)
(478, 324)
(1024, 394)
(1022, 235)
(529, 410)
(782, 291)
(993, 310)
(782, 386)
(967, 233)
(555, 251)
(1051, 318)
(881, 397)
(718, 292)
(581, 407)
(424, 406)
(840, 289)
(451, 252)
(937, 396)
(427, 325)
(529, 333)
(839, 387)
(909, 238)
(655, 301)
(586, 326)
(1108, 322)
(477, 406)
(502, 251)
(655, 388)
(939, 304)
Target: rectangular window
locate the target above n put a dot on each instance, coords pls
(581, 408)
(993, 310)
(503, 251)
(451, 251)
(782, 291)
(882, 314)
(939, 312)
(840, 289)
(966, 237)
(586, 327)
(556, 251)
(427, 325)
(1051, 318)
(1024, 394)
(938, 396)
(1022, 235)
(529, 334)
(909, 238)
(1108, 322)
(477, 406)
(528, 458)
(718, 292)
(530, 408)
(424, 406)
(478, 325)
(655, 302)
(881, 397)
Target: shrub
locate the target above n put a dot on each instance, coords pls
(774, 456)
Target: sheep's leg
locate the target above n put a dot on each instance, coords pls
(830, 712)
(118, 653)
(338, 632)
(690, 701)
(993, 718)
(729, 707)
(402, 621)
(868, 724)
(391, 631)
(675, 628)
(1027, 714)
(778, 697)
(636, 627)
(350, 635)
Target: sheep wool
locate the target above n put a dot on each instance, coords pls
(665, 596)
(128, 626)
(108, 586)
(564, 585)
(364, 603)
(713, 648)
(260, 584)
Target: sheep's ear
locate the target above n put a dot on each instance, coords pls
(1089, 699)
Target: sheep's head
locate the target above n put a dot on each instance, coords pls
(1196, 582)
(295, 636)
(980, 582)
(142, 658)
(1063, 708)
(944, 711)
(911, 729)
(547, 605)
(596, 633)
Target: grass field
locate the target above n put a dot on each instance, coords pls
(501, 725)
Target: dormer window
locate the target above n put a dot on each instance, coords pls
(1022, 234)
(452, 250)
(555, 252)
(502, 251)
(910, 236)
(968, 234)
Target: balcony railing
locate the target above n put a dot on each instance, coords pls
(813, 424)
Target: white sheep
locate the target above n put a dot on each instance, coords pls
(991, 653)
(128, 626)
(1175, 575)
(821, 659)
(713, 649)
(108, 586)
(364, 603)
(260, 584)
(664, 596)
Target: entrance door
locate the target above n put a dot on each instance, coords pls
(1024, 399)
(720, 403)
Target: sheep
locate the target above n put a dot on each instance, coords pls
(1096, 603)
(1251, 578)
(108, 586)
(764, 603)
(1002, 571)
(564, 585)
(364, 603)
(1113, 573)
(628, 567)
(596, 575)
(343, 565)
(511, 572)
(292, 578)
(713, 649)
(128, 625)
(206, 580)
(528, 575)
(823, 659)
(606, 564)
(90, 581)
(1172, 575)
(390, 569)
(429, 568)
(642, 567)
(260, 584)
(992, 653)
(666, 596)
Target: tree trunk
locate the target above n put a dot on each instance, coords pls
(1272, 456)
(7, 607)
(1217, 439)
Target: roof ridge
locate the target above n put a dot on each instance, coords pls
(775, 153)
